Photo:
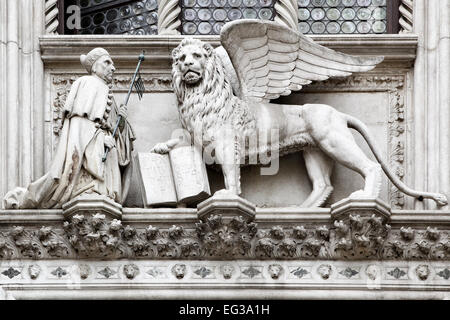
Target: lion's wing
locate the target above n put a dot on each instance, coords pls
(272, 60)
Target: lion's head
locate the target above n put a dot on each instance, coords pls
(204, 91)
(190, 59)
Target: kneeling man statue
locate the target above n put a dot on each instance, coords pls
(89, 117)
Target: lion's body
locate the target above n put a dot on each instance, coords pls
(208, 108)
(212, 105)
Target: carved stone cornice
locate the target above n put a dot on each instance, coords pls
(58, 51)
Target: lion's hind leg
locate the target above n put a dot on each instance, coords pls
(330, 132)
(319, 168)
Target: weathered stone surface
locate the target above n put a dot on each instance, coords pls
(89, 204)
(227, 205)
(363, 207)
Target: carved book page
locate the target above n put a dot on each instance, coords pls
(155, 175)
(189, 174)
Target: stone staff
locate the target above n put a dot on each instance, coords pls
(137, 82)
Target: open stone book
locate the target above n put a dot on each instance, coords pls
(178, 177)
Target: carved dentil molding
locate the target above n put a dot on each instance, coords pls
(51, 16)
(287, 13)
(406, 16)
(354, 238)
(168, 17)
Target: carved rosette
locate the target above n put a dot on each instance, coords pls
(287, 13)
(168, 17)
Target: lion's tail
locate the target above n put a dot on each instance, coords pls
(359, 126)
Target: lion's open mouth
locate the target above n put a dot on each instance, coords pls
(191, 76)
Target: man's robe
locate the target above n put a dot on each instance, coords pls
(90, 114)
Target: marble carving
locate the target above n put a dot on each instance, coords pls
(229, 89)
(89, 116)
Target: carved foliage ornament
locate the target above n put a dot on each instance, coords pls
(353, 238)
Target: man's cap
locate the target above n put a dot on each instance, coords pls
(88, 60)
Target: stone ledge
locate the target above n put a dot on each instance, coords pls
(278, 215)
(60, 50)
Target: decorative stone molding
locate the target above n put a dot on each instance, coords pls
(231, 238)
(215, 278)
(406, 16)
(168, 17)
(394, 85)
(51, 16)
(287, 13)
(360, 237)
(357, 237)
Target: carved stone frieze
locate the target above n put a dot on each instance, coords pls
(358, 237)
(231, 239)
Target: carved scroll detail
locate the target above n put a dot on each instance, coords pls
(287, 13)
(168, 13)
(51, 16)
(406, 16)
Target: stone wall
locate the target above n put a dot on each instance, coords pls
(285, 252)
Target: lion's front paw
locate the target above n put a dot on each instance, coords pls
(161, 148)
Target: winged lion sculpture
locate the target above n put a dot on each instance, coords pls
(231, 87)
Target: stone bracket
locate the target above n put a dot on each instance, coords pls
(89, 204)
(362, 207)
(227, 205)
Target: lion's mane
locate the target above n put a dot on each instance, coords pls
(210, 103)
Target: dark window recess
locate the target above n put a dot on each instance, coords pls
(111, 17)
(208, 16)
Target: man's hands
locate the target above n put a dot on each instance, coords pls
(123, 111)
(165, 147)
(110, 142)
(161, 148)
